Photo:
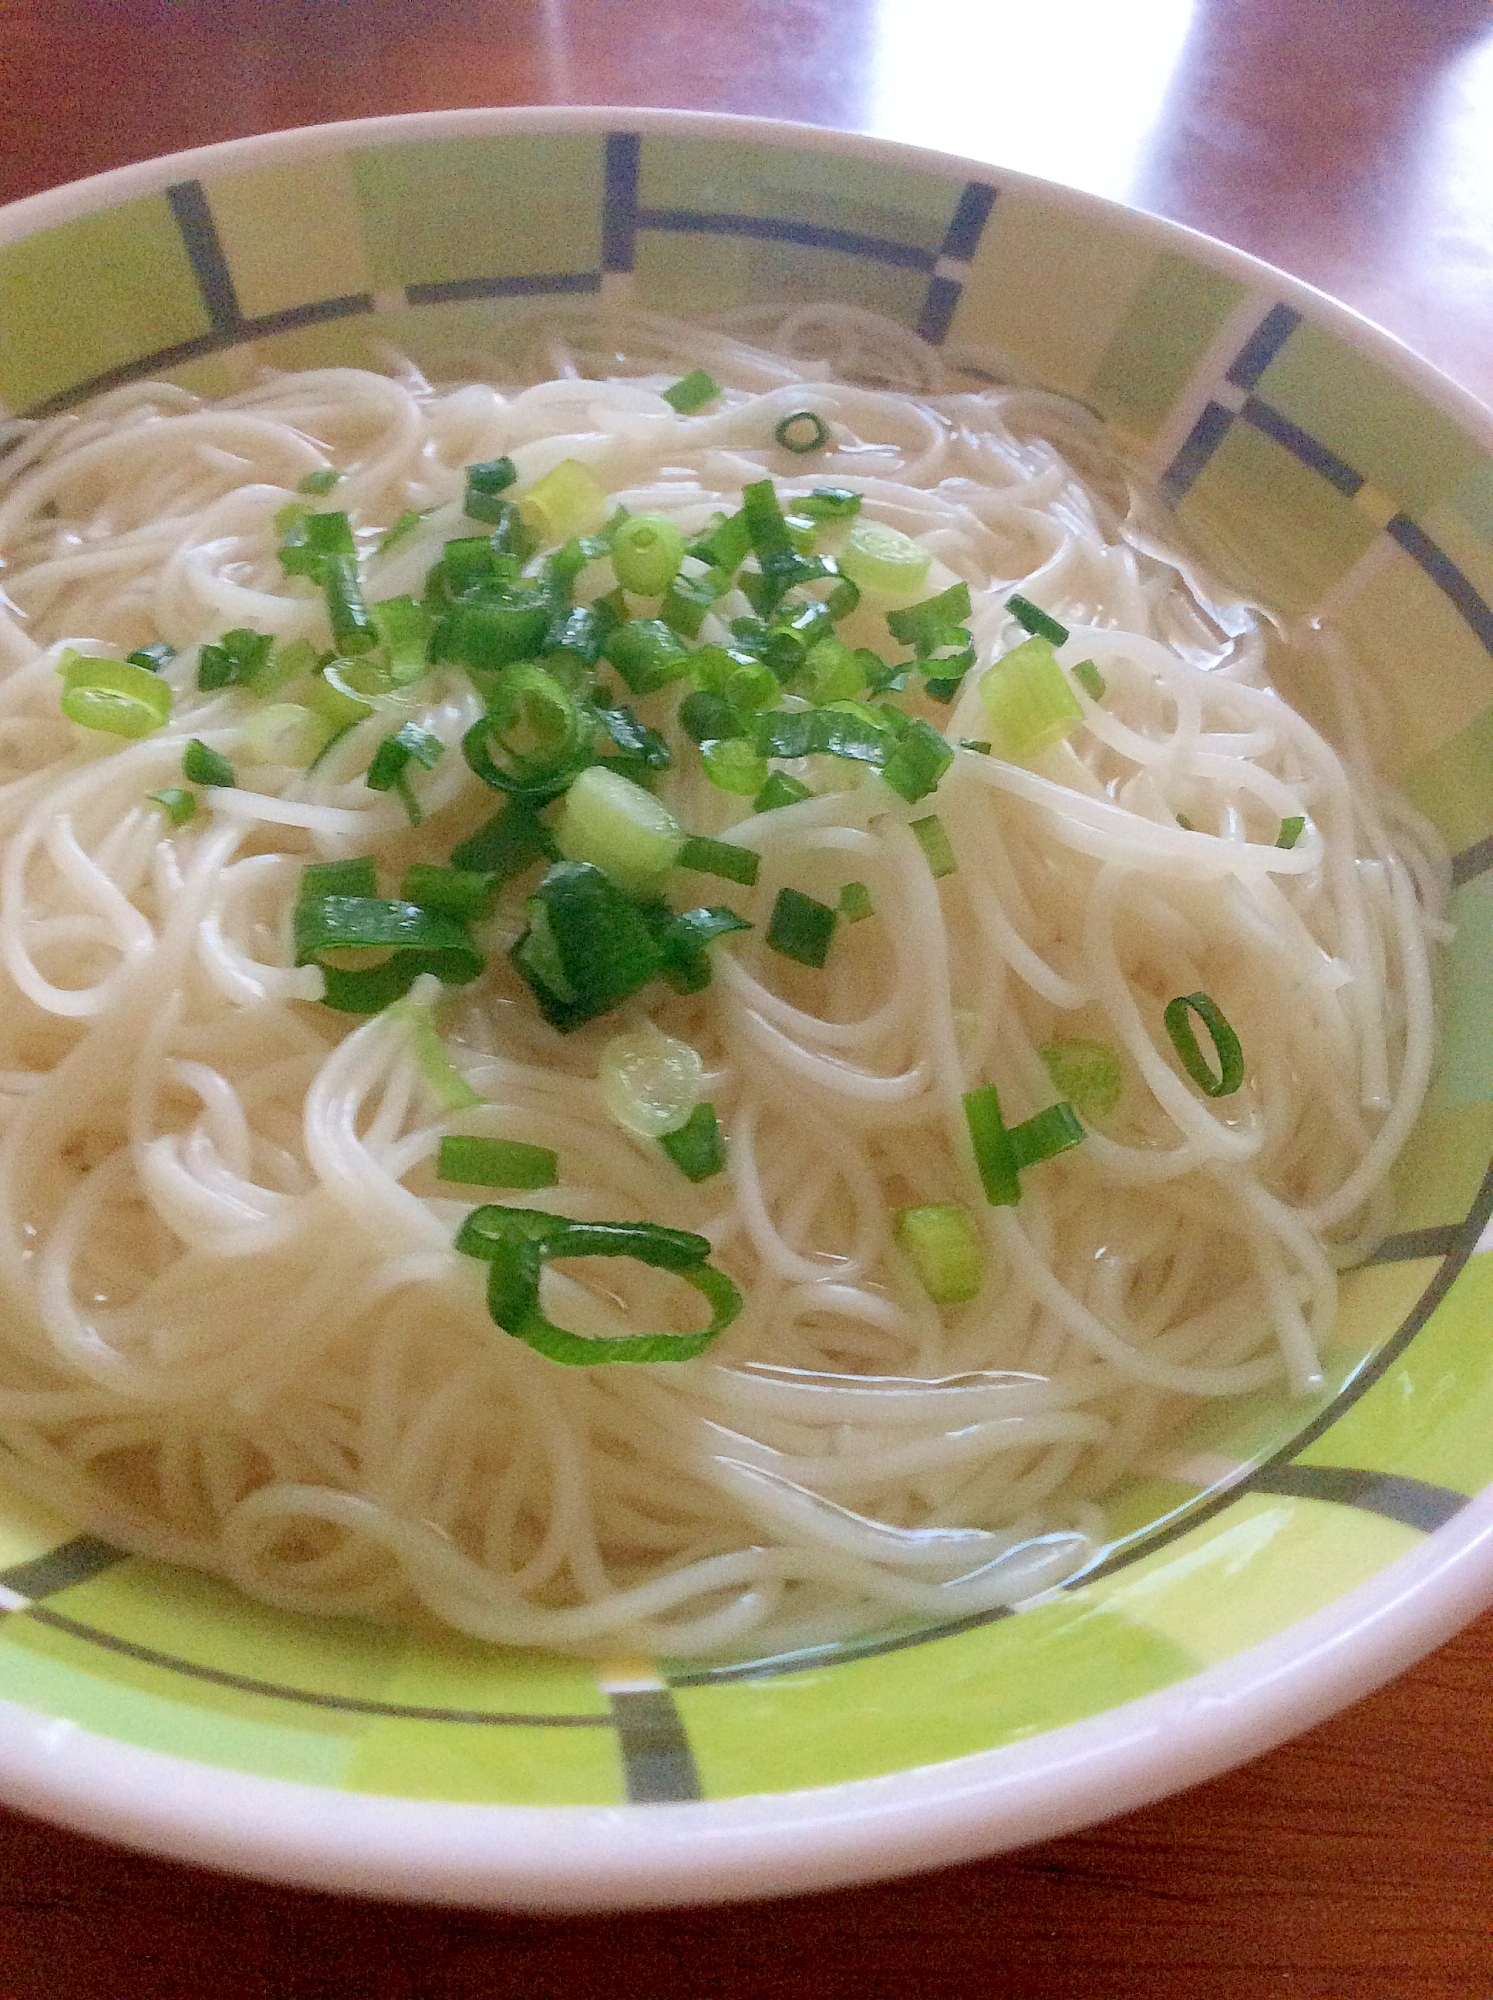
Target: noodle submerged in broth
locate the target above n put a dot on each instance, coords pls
(980, 861)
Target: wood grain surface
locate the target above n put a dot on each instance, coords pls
(1350, 141)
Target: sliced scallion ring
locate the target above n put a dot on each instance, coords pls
(1225, 1044)
(115, 696)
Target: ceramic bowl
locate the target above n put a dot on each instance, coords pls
(1291, 1557)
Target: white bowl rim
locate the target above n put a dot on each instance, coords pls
(581, 1858)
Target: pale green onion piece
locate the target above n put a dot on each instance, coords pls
(1028, 701)
(1090, 680)
(286, 733)
(1291, 831)
(933, 838)
(334, 699)
(945, 1250)
(114, 696)
(1088, 1073)
(615, 825)
(884, 559)
(445, 1082)
(647, 550)
(568, 500)
(649, 1081)
(178, 805)
(855, 902)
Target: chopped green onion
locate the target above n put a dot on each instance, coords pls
(1087, 1072)
(587, 946)
(340, 878)
(286, 663)
(781, 790)
(152, 658)
(312, 540)
(1028, 700)
(855, 902)
(840, 730)
(995, 1156)
(829, 503)
(485, 482)
(706, 718)
(1038, 622)
(647, 653)
(687, 600)
(802, 432)
(442, 1078)
(397, 530)
(944, 1247)
(646, 553)
(724, 546)
(498, 1163)
(698, 1148)
(177, 805)
(202, 766)
(883, 559)
(736, 766)
(746, 683)
(933, 838)
(321, 481)
(975, 743)
(936, 622)
(720, 857)
(511, 841)
(692, 392)
(331, 921)
(568, 500)
(286, 733)
(114, 696)
(1225, 1044)
(489, 634)
(236, 660)
(411, 744)
(1090, 680)
(403, 625)
(616, 825)
(517, 1243)
(649, 1081)
(331, 697)
(642, 748)
(462, 893)
(1291, 831)
(918, 762)
(831, 672)
(1051, 1132)
(801, 928)
(353, 630)
(535, 727)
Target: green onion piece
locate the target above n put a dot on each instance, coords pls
(883, 559)
(746, 684)
(284, 664)
(312, 540)
(705, 717)
(1225, 1044)
(488, 635)
(283, 732)
(726, 545)
(393, 756)
(646, 553)
(698, 1148)
(801, 928)
(403, 626)
(1087, 1072)
(416, 941)
(933, 838)
(1090, 680)
(648, 1081)
(1185, 823)
(647, 654)
(485, 482)
(517, 1242)
(829, 503)
(568, 500)
(114, 696)
(498, 1163)
(177, 805)
(720, 857)
(840, 730)
(511, 841)
(831, 672)
(587, 945)
(995, 1156)
(152, 658)
(321, 481)
(802, 432)
(536, 729)
(855, 902)
(643, 748)
(202, 766)
(936, 622)
(687, 600)
(462, 893)
(692, 392)
(616, 825)
(397, 530)
(1038, 622)
(781, 790)
(945, 1250)
(683, 941)
(1028, 700)
(329, 695)
(918, 762)
(353, 629)
(1051, 1132)
(736, 766)
(235, 661)
(581, 631)
(443, 1079)
(1291, 831)
(340, 878)
(975, 743)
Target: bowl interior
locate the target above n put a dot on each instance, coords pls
(1317, 466)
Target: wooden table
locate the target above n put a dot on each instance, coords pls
(1350, 141)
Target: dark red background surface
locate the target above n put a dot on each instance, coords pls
(1350, 141)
